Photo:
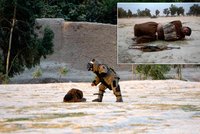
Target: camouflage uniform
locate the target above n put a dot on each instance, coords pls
(107, 78)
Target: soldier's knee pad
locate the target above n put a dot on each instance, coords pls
(117, 91)
(114, 84)
(118, 88)
(102, 87)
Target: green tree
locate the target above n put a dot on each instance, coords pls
(157, 12)
(180, 10)
(130, 14)
(62, 71)
(144, 13)
(108, 12)
(147, 12)
(122, 13)
(194, 10)
(166, 11)
(156, 72)
(139, 13)
(37, 73)
(25, 48)
(173, 9)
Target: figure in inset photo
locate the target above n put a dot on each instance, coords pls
(151, 31)
(158, 33)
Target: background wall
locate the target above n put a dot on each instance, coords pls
(76, 43)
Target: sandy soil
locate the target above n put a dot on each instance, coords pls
(169, 106)
(50, 74)
(149, 107)
(188, 54)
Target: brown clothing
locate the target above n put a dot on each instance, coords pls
(148, 28)
(150, 31)
(178, 27)
(74, 95)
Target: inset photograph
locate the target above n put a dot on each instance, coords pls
(158, 33)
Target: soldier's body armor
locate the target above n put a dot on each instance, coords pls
(107, 78)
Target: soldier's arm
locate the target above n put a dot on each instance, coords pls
(170, 32)
(177, 22)
(179, 32)
(96, 81)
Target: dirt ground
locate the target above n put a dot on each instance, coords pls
(167, 107)
(189, 52)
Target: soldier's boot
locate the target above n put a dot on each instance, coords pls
(100, 97)
(118, 95)
(119, 99)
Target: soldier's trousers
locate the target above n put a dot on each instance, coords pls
(114, 87)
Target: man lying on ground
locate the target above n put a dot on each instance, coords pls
(74, 95)
(151, 31)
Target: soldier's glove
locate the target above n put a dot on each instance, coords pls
(93, 84)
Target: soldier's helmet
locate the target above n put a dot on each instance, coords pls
(90, 65)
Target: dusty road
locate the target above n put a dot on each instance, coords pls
(188, 54)
(167, 107)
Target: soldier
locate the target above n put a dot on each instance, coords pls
(107, 78)
(151, 31)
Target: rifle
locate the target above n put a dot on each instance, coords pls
(152, 48)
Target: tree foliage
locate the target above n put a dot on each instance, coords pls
(122, 13)
(154, 71)
(104, 11)
(194, 10)
(26, 48)
(144, 13)
(173, 9)
(130, 14)
(166, 11)
(180, 10)
(157, 12)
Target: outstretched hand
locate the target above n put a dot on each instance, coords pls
(92, 84)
